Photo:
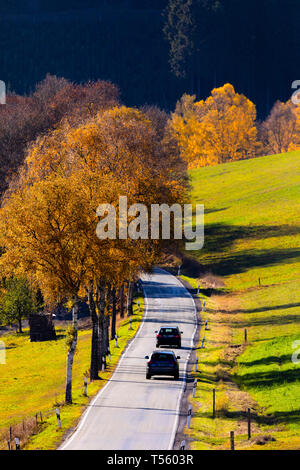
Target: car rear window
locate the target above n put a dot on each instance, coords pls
(162, 357)
(172, 331)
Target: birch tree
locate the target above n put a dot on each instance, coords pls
(41, 231)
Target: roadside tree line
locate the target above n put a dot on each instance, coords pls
(48, 216)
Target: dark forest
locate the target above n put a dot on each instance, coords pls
(253, 44)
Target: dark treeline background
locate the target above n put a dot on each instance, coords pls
(253, 44)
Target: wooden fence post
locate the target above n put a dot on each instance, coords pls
(214, 403)
(249, 423)
(232, 440)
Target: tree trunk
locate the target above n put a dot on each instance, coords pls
(94, 368)
(20, 325)
(107, 323)
(105, 337)
(114, 314)
(101, 323)
(107, 332)
(71, 353)
(129, 299)
(122, 301)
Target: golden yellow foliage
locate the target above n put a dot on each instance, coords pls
(219, 129)
(50, 214)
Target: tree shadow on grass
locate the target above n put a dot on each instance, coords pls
(241, 262)
(279, 360)
(263, 309)
(208, 292)
(224, 262)
(269, 379)
(220, 236)
(269, 419)
(212, 210)
(271, 320)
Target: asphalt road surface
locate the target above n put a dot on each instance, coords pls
(130, 412)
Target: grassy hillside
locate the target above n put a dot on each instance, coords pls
(252, 228)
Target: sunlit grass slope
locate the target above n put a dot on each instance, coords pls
(252, 230)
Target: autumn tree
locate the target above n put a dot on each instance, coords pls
(295, 144)
(128, 152)
(219, 129)
(41, 231)
(116, 152)
(280, 132)
(22, 119)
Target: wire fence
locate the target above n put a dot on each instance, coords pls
(17, 435)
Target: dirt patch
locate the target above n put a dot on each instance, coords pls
(212, 281)
(226, 304)
(232, 352)
(262, 440)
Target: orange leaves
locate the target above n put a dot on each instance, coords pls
(48, 222)
(221, 128)
(42, 235)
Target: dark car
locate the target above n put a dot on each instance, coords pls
(162, 363)
(168, 336)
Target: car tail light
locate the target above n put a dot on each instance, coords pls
(158, 336)
(149, 363)
(177, 336)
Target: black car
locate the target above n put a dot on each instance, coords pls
(162, 363)
(168, 336)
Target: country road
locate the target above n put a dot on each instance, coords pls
(130, 412)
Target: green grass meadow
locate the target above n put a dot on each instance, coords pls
(252, 243)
